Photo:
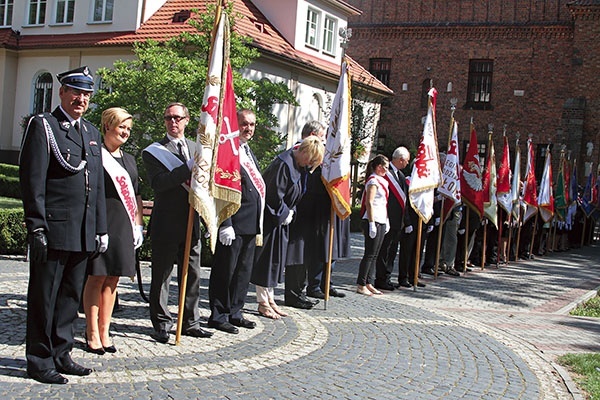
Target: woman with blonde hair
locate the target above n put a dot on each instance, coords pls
(125, 226)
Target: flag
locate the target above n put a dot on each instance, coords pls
(529, 186)
(215, 187)
(546, 197)
(516, 183)
(450, 187)
(490, 182)
(470, 178)
(426, 175)
(503, 193)
(335, 170)
(560, 199)
(574, 186)
(586, 198)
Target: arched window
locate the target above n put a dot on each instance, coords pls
(316, 108)
(42, 93)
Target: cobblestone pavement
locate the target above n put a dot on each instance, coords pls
(491, 334)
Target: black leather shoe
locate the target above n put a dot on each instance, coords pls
(305, 299)
(223, 326)
(452, 271)
(421, 284)
(161, 336)
(384, 286)
(404, 283)
(198, 332)
(111, 349)
(48, 376)
(73, 368)
(300, 304)
(316, 295)
(429, 271)
(243, 323)
(336, 293)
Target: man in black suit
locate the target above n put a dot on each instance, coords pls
(62, 186)
(168, 167)
(395, 207)
(234, 254)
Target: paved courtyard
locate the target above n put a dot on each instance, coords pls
(491, 334)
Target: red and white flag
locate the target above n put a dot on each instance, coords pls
(450, 187)
(426, 174)
(515, 187)
(490, 184)
(215, 187)
(471, 183)
(335, 170)
(504, 190)
(546, 197)
(530, 185)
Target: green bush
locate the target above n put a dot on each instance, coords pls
(13, 235)
(9, 170)
(9, 187)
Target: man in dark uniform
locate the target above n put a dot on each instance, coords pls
(234, 254)
(168, 166)
(62, 186)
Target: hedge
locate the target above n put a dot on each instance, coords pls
(13, 235)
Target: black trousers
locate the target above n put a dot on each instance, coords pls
(53, 298)
(230, 278)
(387, 255)
(295, 282)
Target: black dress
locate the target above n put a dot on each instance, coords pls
(119, 258)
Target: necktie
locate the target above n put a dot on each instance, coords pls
(182, 152)
(76, 126)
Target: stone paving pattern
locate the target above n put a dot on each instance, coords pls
(489, 334)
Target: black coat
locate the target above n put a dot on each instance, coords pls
(55, 199)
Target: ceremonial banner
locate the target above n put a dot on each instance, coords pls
(530, 185)
(490, 202)
(503, 193)
(586, 198)
(215, 188)
(471, 183)
(426, 175)
(335, 170)
(450, 187)
(515, 187)
(560, 199)
(546, 197)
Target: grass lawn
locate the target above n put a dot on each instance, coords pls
(8, 203)
(585, 367)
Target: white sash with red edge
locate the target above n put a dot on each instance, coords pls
(382, 184)
(395, 188)
(166, 158)
(257, 180)
(123, 184)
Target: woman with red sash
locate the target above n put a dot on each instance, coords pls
(375, 223)
(125, 226)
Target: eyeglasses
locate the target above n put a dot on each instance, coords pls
(176, 118)
(79, 92)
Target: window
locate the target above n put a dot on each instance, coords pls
(42, 93)
(380, 69)
(312, 28)
(479, 91)
(37, 12)
(329, 30)
(6, 10)
(64, 11)
(103, 10)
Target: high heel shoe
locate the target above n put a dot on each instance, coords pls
(90, 349)
(110, 349)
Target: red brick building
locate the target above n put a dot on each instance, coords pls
(533, 67)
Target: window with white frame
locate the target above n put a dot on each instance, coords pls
(64, 11)
(329, 31)
(312, 28)
(37, 12)
(6, 10)
(42, 93)
(103, 10)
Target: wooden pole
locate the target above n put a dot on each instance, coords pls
(417, 255)
(533, 235)
(466, 239)
(184, 273)
(439, 242)
(328, 267)
(484, 244)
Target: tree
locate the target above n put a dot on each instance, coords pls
(175, 70)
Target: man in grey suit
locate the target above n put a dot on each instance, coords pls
(168, 167)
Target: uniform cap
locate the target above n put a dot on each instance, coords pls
(79, 78)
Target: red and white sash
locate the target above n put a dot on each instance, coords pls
(123, 184)
(395, 188)
(166, 158)
(257, 180)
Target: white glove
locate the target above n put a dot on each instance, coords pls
(387, 225)
(437, 221)
(190, 163)
(289, 218)
(408, 229)
(429, 228)
(101, 243)
(138, 236)
(372, 230)
(461, 231)
(226, 235)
